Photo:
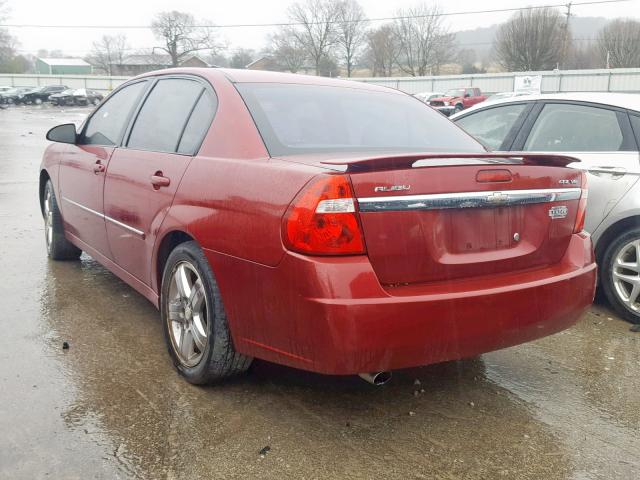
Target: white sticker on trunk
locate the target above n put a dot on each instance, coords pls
(558, 212)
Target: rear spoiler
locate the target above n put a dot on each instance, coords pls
(385, 162)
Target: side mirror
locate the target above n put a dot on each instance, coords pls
(63, 134)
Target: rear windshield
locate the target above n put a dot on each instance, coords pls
(295, 119)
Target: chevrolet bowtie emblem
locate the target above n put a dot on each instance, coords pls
(497, 198)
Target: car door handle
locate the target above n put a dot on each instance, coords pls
(98, 167)
(608, 169)
(158, 180)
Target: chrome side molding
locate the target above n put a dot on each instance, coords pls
(106, 218)
(488, 199)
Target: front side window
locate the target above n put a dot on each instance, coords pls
(575, 128)
(635, 125)
(164, 114)
(107, 125)
(296, 119)
(491, 126)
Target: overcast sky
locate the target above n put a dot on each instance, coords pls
(132, 12)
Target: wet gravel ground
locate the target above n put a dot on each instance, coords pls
(111, 406)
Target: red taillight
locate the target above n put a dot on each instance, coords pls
(322, 220)
(582, 206)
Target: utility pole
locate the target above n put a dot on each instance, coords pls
(565, 36)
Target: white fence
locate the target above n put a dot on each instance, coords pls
(614, 80)
(93, 82)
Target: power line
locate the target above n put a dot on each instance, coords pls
(293, 24)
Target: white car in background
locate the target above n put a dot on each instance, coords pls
(503, 95)
(426, 96)
(602, 130)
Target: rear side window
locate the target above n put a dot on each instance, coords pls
(295, 119)
(107, 125)
(164, 115)
(575, 128)
(198, 124)
(491, 126)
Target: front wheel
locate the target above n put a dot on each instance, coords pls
(58, 247)
(621, 275)
(194, 320)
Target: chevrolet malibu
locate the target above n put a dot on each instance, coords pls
(326, 225)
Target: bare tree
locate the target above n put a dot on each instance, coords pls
(382, 50)
(242, 57)
(424, 41)
(531, 40)
(317, 30)
(351, 31)
(7, 42)
(619, 44)
(287, 51)
(181, 36)
(108, 52)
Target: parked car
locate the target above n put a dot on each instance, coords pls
(457, 99)
(316, 223)
(41, 94)
(84, 96)
(427, 96)
(503, 95)
(13, 95)
(63, 98)
(602, 130)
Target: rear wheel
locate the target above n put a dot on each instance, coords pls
(37, 101)
(58, 247)
(194, 320)
(621, 275)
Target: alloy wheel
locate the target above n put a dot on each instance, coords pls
(48, 218)
(187, 314)
(626, 275)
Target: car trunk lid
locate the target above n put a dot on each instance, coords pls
(439, 217)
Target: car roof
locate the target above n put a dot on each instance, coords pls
(264, 76)
(630, 101)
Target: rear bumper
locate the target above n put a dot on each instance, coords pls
(330, 315)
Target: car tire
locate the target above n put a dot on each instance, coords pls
(95, 102)
(37, 101)
(458, 108)
(617, 280)
(195, 328)
(58, 247)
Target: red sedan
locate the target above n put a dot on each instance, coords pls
(327, 225)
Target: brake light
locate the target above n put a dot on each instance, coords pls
(322, 219)
(582, 206)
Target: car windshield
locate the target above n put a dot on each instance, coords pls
(316, 119)
(455, 92)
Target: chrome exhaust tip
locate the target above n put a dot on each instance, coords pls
(376, 378)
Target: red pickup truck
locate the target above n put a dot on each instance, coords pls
(457, 99)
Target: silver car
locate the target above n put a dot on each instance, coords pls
(603, 131)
